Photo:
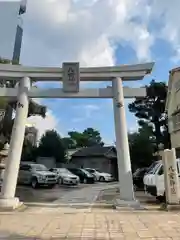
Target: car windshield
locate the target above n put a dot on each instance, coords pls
(153, 169)
(39, 167)
(64, 170)
(90, 170)
(86, 172)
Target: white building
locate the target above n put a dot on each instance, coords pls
(173, 108)
(11, 28)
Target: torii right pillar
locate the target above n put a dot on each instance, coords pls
(122, 144)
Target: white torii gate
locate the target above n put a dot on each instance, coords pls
(25, 75)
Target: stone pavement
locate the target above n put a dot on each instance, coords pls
(85, 195)
(90, 224)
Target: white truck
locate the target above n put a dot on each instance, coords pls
(154, 180)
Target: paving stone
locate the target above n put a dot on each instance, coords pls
(90, 225)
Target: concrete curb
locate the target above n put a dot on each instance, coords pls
(73, 205)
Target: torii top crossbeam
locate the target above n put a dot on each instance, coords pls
(126, 72)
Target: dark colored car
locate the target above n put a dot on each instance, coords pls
(84, 176)
(138, 176)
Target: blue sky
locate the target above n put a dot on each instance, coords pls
(98, 33)
(78, 114)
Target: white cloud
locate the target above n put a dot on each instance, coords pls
(49, 123)
(166, 15)
(87, 112)
(86, 31)
(83, 30)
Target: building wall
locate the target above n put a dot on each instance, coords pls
(31, 135)
(18, 43)
(175, 93)
(101, 163)
(173, 106)
(47, 161)
(9, 13)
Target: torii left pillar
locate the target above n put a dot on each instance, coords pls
(7, 197)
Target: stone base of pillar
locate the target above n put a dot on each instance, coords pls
(131, 205)
(9, 203)
(170, 207)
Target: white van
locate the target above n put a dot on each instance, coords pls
(154, 180)
(149, 179)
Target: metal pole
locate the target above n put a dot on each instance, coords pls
(122, 145)
(16, 144)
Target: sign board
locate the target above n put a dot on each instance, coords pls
(171, 178)
(71, 77)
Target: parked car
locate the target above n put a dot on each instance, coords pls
(100, 176)
(65, 176)
(155, 180)
(36, 175)
(138, 176)
(84, 176)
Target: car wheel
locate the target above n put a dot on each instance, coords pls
(85, 180)
(161, 199)
(102, 179)
(34, 183)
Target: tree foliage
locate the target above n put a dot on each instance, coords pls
(89, 137)
(151, 110)
(141, 146)
(51, 145)
(68, 143)
(10, 105)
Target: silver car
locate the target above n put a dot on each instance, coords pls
(36, 175)
(65, 176)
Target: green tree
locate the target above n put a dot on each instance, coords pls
(10, 105)
(78, 138)
(141, 147)
(151, 110)
(89, 137)
(93, 136)
(51, 145)
(68, 143)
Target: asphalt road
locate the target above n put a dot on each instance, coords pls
(83, 193)
(43, 194)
